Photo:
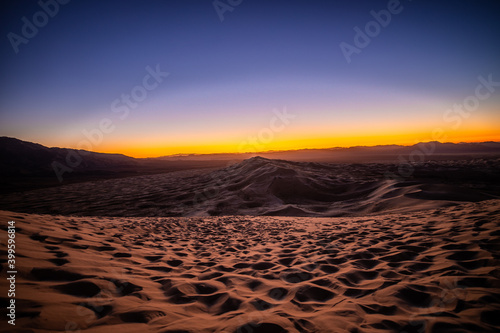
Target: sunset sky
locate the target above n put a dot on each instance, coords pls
(230, 81)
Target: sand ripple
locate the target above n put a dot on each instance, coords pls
(433, 271)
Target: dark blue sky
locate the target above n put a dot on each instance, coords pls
(226, 77)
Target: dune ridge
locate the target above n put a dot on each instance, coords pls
(432, 271)
(263, 187)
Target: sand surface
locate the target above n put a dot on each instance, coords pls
(429, 271)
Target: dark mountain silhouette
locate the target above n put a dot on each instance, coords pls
(25, 165)
(362, 154)
(25, 158)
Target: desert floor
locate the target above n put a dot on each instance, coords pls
(264, 187)
(429, 271)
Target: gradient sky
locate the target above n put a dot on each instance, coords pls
(228, 78)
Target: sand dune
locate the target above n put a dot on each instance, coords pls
(433, 271)
(259, 186)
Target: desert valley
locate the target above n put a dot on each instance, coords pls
(261, 245)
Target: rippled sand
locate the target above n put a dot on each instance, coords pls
(428, 271)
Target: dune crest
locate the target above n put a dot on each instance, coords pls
(260, 186)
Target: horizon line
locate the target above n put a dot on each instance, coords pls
(261, 152)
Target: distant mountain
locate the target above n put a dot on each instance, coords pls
(276, 183)
(358, 154)
(19, 158)
(26, 165)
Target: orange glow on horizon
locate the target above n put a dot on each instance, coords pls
(143, 149)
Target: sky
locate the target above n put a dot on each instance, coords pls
(154, 78)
